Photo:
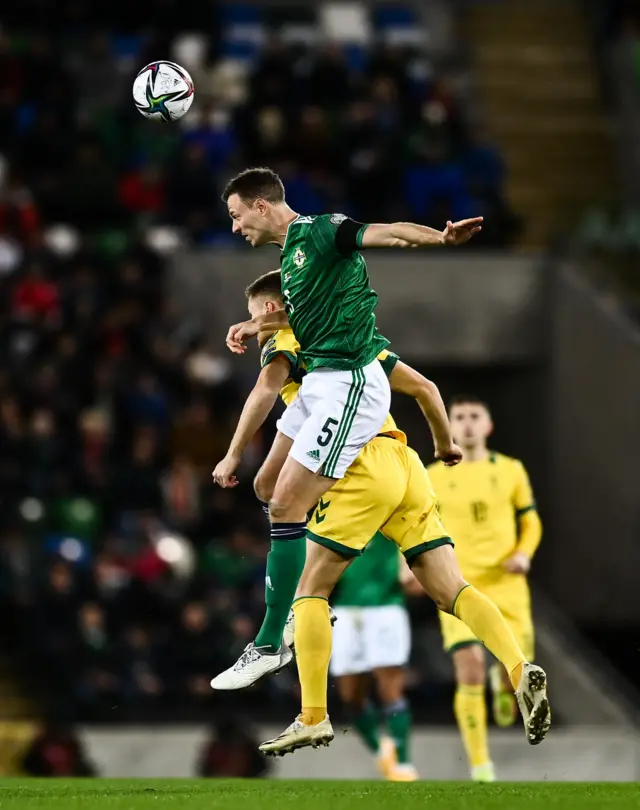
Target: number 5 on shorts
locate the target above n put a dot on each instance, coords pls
(327, 433)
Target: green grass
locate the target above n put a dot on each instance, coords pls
(145, 794)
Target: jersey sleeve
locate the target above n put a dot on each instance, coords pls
(523, 500)
(388, 361)
(336, 233)
(281, 343)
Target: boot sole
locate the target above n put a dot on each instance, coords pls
(323, 741)
(540, 718)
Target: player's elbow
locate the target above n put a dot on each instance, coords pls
(425, 392)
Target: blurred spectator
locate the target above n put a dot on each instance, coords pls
(142, 191)
(197, 642)
(328, 84)
(141, 666)
(57, 752)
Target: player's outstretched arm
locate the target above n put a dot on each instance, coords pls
(407, 380)
(256, 409)
(239, 333)
(410, 235)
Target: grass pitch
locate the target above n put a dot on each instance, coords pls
(147, 794)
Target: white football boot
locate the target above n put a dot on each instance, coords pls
(299, 736)
(290, 626)
(253, 664)
(531, 695)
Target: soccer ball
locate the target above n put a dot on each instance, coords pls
(163, 90)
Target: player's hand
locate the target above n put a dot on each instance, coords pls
(223, 475)
(238, 335)
(457, 233)
(449, 455)
(517, 563)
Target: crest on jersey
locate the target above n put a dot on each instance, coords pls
(299, 257)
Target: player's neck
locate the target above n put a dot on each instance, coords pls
(480, 453)
(283, 216)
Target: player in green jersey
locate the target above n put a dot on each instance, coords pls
(345, 396)
(373, 637)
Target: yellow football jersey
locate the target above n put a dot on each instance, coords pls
(283, 342)
(480, 503)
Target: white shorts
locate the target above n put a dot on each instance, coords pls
(334, 415)
(368, 638)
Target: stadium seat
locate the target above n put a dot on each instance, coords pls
(345, 22)
(243, 31)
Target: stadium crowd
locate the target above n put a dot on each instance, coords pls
(126, 579)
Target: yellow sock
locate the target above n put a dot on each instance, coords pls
(488, 625)
(471, 714)
(313, 652)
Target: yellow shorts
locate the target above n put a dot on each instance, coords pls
(511, 595)
(386, 489)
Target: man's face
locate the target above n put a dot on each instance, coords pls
(250, 220)
(260, 305)
(471, 425)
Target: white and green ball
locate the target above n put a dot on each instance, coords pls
(163, 91)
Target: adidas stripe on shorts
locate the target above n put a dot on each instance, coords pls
(334, 415)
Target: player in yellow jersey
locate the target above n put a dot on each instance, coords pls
(488, 506)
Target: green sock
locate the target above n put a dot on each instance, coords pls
(366, 723)
(398, 717)
(285, 562)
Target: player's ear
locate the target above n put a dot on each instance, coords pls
(261, 207)
(490, 431)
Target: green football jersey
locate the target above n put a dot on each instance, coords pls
(372, 580)
(328, 297)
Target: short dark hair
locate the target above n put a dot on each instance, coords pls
(269, 284)
(468, 399)
(252, 184)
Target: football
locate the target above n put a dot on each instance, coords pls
(163, 91)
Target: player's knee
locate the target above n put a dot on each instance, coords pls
(469, 665)
(279, 509)
(263, 487)
(445, 593)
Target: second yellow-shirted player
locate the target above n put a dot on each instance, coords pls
(487, 504)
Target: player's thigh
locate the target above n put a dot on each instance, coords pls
(352, 511)
(297, 490)
(323, 568)
(417, 529)
(512, 597)
(265, 481)
(348, 653)
(387, 633)
(415, 524)
(346, 410)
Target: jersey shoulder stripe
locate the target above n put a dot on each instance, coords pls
(281, 342)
